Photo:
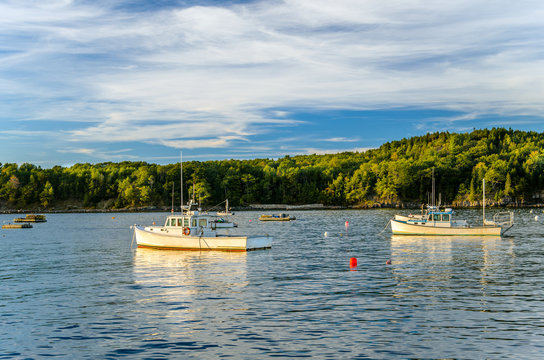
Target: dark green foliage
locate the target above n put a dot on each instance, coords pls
(512, 163)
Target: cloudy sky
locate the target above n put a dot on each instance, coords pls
(113, 80)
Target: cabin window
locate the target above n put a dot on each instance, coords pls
(185, 222)
(179, 222)
(436, 217)
(446, 217)
(172, 222)
(202, 222)
(193, 222)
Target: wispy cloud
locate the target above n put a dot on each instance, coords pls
(100, 154)
(341, 139)
(204, 76)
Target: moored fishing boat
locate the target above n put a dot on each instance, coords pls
(441, 222)
(194, 230)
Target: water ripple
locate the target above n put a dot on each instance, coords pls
(71, 291)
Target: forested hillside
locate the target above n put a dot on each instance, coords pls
(512, 163)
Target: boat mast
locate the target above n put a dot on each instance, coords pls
(181, 178)
(172, 198)
(433, 194)
(483, 208)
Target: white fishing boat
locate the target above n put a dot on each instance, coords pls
(194, 230)
(442, 222)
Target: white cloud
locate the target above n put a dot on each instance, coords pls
(100, 154)
(78, 151)
(341, 139)
(201, 76)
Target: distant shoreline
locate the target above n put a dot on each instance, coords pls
(260, 207)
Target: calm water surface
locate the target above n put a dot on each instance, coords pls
(74, 288)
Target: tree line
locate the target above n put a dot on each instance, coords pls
(398, 172)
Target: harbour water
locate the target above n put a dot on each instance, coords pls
(74, 288)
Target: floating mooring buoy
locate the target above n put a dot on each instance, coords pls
(353, 262)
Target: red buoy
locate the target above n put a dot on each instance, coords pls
(388, 262)
(353, 262)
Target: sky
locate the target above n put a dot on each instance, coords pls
(142, 80)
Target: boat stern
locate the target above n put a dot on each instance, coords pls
(259, 242)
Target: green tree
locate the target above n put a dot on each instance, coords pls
(47, 194)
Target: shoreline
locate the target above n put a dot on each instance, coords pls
(261, 207)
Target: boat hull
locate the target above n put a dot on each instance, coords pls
(17, 226)
(164, 240)
(404, 228)
(276, 218)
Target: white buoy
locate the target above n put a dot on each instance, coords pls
(536, 218)
(530, 212)
(326, 234)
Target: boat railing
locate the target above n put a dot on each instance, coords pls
(504, 219)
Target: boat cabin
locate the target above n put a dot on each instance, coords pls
(437, 218)
(194, 224)
(186, 221)
(443, 216)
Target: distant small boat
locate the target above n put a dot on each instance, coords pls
(17, 226)
(280, 217)
(227, 211)
(31, 218)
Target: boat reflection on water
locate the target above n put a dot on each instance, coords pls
(439, 249)
(185, 267)
(154, 257)
(181, 292)
(186, 276)
(443, 264)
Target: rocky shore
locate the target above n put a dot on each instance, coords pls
(270, 207)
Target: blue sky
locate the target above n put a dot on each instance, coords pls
(95, 81)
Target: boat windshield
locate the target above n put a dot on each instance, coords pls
(439, 217)
(177, 221)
